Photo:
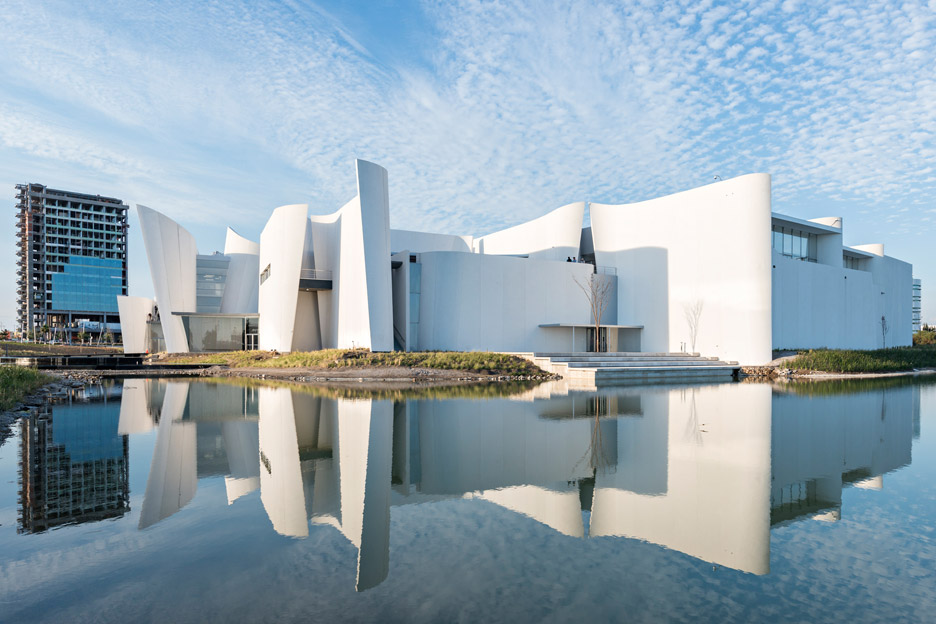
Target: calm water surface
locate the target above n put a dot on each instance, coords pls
(196, 501)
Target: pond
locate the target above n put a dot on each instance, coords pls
(195, 501)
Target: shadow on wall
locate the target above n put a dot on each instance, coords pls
(643, 294)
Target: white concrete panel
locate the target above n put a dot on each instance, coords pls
(401, 303)
(134, 312)
(424, 241)
(171, 253)
(554, 236)
(827, 306)
(241, 288)
(282, 245)
(496, 303)
(354, 244)
(325, 234)
(234, 243)
(707, 248)
(375, 231)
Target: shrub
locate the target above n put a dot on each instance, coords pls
(479, 362)
(16, 382)
(876, 361)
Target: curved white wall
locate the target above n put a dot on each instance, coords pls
(708, 246)
(133, 313)
(415, 242)
(554, 236)
(354, 244)
(282, 244)
(171, 252)
(241, 289)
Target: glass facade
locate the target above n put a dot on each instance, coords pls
(794, 243)
(210, 276)
(88, 284)
(415, 289)
(851, 262)
(220, 333)
(69, 245)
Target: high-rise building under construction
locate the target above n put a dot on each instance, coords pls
(72, 261)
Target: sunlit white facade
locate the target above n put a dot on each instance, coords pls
(711, 270)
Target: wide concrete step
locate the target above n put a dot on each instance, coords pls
(614, 354)
(664, 371)
(649, 364)
(635, 367)
(658, 358)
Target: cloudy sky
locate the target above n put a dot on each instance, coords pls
(486, 114)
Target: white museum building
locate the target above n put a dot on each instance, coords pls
(711, 270)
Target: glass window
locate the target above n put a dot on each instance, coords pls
(214, 333)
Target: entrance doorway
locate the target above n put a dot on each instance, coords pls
(602, 340)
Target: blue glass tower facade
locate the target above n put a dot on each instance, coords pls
(72, 262)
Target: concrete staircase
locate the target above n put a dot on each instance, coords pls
(630, 368)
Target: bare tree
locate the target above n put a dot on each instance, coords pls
(884, 330)
(598, 291)
(693, 313)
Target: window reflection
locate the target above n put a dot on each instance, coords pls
(795, 244)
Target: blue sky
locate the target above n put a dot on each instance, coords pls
(486, 114)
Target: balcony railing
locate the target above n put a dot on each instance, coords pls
(315, 274)
(605, 270)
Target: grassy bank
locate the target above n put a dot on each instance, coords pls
(876, 361)
(16, 382)
(486, 390)
(480, 362)
(22, 349)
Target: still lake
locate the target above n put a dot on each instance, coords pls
(195, 501)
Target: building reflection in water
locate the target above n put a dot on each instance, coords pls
(73, 465)
(704, 470)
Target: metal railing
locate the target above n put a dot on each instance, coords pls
(315, 274)
(605, 270)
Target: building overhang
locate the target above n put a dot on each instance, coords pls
(857, 253)
(810, 227)
(217, 315)
(587, 325)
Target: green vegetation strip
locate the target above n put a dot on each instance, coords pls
(16, 382)
(877, 361)
(480, 362)
(25, 349)
(484, 390)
